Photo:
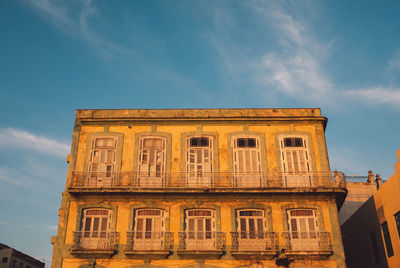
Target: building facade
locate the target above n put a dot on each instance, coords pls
(376, 242)
(359, 190)
(12, 258)
(200, 188)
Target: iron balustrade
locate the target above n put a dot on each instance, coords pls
(212, 180)
(254, 241)
(98, 240)
(356, 178)
(307, 241)
(148, 241)
(201, 241)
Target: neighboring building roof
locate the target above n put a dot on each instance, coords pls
(22, 256)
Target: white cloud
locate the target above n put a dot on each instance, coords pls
(24, 140)
(296, 69)
(377, 95)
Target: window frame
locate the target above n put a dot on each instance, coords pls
(89, 139)
(85, 217)
(397, 221)
(387, 239)
(305, 148)
(236, 149)
(163, 150)
(247, 219)
(203, 234)
(153, 218)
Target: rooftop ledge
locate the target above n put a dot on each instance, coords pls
(204, 114)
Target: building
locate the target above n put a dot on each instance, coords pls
(200, 188)
(12, 258)
(372, 234)
(359, 190)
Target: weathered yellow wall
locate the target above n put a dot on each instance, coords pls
(387, 203)
(174, 203)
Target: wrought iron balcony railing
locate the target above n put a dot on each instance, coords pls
(254, 241)
(142, 241)
(83, 240)
(307, 241)
(204, 241)
(212, 180)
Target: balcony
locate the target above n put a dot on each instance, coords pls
(95, 244)
(82, 181)
(151, 244)
(206, 245)
(315, 245)
(254, 245)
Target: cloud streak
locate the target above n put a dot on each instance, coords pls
(77, 18)
(377, 95)
(21, 139)
(296, 67)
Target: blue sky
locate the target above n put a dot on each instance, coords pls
(58, 56)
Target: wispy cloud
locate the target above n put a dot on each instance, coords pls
(76, 18)
(21, 139)
(378, 95)
(296, 68)
(394, 62)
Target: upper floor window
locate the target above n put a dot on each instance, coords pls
(296, 161)
(102, 161)
(247, 161)
(295, 156)
(199, 161)
(152, 160)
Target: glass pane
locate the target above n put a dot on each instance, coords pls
(87, 224)
(96, 224)
(150, 212)
(301, 212)
(260, 225)
(148, 228)
(208, 228)
(104, 224)
(139, 225)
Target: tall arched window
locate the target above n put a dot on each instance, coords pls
(148, 229)
(152, 159)
(199, 161)
(247, 161)
(200, 229)
(102, 162)
(296, 161)
(95, 228)
(303, 229)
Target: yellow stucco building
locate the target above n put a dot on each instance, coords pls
(372, 233)
(200, 188)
